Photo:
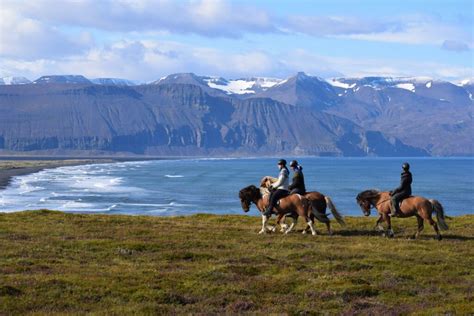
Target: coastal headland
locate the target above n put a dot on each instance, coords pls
(53, 262)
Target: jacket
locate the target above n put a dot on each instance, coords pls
(405, 184)
(283, 180)
(298, 180)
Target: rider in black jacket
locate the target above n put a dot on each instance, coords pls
(403, 191)
(297, 185)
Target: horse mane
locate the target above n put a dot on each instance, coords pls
(267, 181)
(250, 192)
(368, 194)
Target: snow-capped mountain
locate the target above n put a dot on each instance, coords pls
(302, 114)
(70, 79)
(229, 86)
(407, 83)
(13, 80)
(242, 85)
(114, 82)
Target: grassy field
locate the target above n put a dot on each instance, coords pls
(52, 262)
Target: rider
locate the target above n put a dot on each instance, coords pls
(403, 191)
(297, 185)
(279, 188)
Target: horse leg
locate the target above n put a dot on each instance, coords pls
(307, 229)
(281, 221)
(420, 226)
(264, 224)
(435, 227)
(295, 220)
(310, 224)
(328, 225)
(390, 232)
(378, 224)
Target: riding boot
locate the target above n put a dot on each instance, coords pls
(393, 208)
(268, 211)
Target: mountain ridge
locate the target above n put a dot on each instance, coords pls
(182, 114)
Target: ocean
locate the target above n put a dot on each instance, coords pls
(189, 186)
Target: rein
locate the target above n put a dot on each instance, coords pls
(381, 202)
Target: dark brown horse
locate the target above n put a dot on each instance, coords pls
(287, 205)
(319, 204)
(412, 206)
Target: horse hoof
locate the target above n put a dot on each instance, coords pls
(439, 237)
(330, 233)
(304, 232)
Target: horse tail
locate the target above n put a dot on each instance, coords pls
(334, 211)
(438, 208)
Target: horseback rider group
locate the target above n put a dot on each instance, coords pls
(281, 188)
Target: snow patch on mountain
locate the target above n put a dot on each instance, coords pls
(406, 86)
(10, 80)
(465, 82)
(340, 84)
(241, 86)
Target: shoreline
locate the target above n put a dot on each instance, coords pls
(18, 167)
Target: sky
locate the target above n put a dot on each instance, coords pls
(144, 40)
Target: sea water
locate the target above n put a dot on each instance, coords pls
(189, 186)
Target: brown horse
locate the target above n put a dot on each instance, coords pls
(319, 203)
(412, 206)
(291, 204)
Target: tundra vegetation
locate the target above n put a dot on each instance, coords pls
(52, 262)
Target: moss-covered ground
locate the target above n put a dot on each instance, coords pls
(51, 262)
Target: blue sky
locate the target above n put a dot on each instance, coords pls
(144, 40)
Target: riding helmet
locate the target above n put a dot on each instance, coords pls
(406, 166)
(293, 163)
(282, 162)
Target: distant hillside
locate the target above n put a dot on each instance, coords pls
(186, 114)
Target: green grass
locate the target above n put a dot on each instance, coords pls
(51, 262)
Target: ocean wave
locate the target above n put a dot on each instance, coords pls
(174, 176)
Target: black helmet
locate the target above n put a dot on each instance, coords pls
(282, 162)
(293, 163)
(406, 166)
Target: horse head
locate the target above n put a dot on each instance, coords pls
(248, 195)
(364, 199)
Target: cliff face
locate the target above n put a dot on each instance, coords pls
(172, 118)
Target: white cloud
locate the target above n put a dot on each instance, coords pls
(150, 60)
(205, 17)
(54, 37)
(146, 61)
(338, 25)
(414, 30)
(28, 38)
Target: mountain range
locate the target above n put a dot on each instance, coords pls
(190, 115)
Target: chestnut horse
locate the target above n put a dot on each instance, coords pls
(294, 203)
(412, 206)
(319, 203)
